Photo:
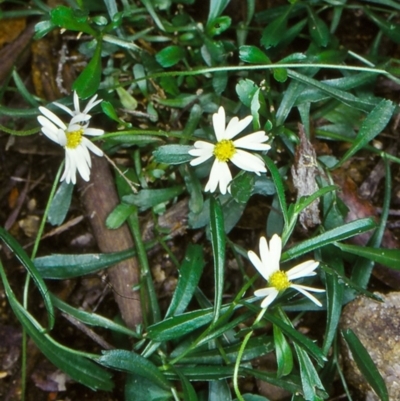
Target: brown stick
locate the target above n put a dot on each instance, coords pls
(100, 198)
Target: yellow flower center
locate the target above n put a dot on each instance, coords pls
(224, 150)
(279, 280)
(74, 138)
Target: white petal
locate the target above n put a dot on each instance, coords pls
(204, 145)
(248, 162)
(76, 103)
(61, 137)
(70, 167)
(93, 132)
(303, 289)
(219, 124)
(253, 141)
(201, 159)
(307, 288)
(65, 108)
(83, 162)
(259, 265)
(80, 118)
(235, 126)
(269, 293)
(265, 256)
(91, 146)
(305, 269)
(50, 133)
(219, 175)
(275, 250)
(92, 103)
(52, 117)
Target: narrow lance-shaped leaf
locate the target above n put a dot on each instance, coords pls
(373, 125)
(88, 81)
(310, 380)
(189, 276)
(20, 253)
(280, 190)
(133, 363)
(366, 364)
(319, 31)
(337, 234)
(77, 367)
(284, 356)
(60, 205)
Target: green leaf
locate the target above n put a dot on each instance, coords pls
(181, 325)
(337, 234)
(255, 348)
(131, 362)
(372, 126)
(242, 187)
(218, 25)
(284, 356)
(21, 255)
(274, 32)
(88, 81)
(334, 295)
(62, 267)
(216, 8)
(253, 55)
(219, 390)
(219, 81)
(246, 89)
(280, 74)
(127, 100)
(139, 388)
(92, 319)
(349, 99)
(60, 205)
(290, 383)
(203, 373)
(42, 28)
(319, 31)
(170, 56)
(280, 190)
(76, 366)
(389, 28)
(147, 198)
(189, 392)
(297, 338)
(309, 377)
(366, 365)
(217, 233)
(384, 256)
(119, 215)
(189, 276)
(173, 154)
(109, 111)
(73, 20)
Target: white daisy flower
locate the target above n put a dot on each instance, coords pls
(279, 280)
(226, 149)
(71, 137)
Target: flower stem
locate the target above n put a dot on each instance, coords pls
(240, 355)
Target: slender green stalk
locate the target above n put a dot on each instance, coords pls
(240, 355)
(147, 293)
(202, 70)
(27, 279)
